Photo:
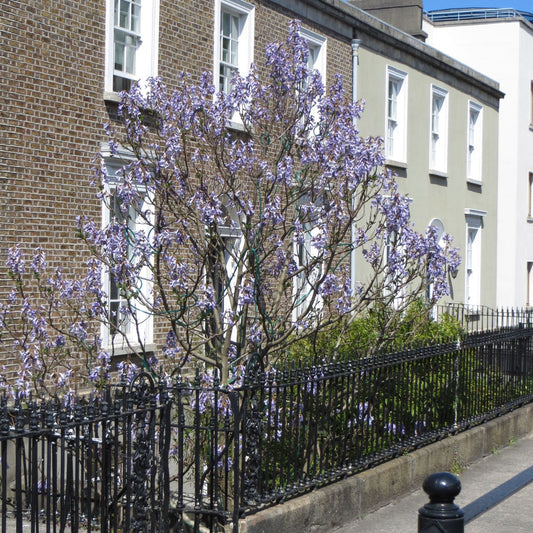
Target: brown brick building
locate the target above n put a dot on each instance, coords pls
(57, 76)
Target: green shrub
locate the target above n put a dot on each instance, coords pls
(380, 329)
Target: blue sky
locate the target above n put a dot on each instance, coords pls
(521, 5)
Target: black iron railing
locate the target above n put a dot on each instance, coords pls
(91, 464)
(323, 423)
(197, 456)
(479, 318)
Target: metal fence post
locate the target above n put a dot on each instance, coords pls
(441, 514)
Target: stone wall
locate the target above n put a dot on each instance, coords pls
(339, 504)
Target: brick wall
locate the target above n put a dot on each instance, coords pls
(53, 113)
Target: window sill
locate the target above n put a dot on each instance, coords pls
(471, 181)
(111, 97)
(395, 164)
(438, 174)
(235, 125)
(135, 349)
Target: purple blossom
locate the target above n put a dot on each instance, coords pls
(15, 261)
(172, 350)
(394, 429)
(330, 286)
(273, 419)
(364, 413)
(420, 427)
(211, 397)
(247, 292)
(255, 335)
(127, 370)
(59, 342)
(63, 378)
(273, 213)
(38, 264)
(207, 301)
(79, 330)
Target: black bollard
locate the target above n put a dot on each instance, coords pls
(441, 514)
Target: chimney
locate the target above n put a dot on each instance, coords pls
(406, 15)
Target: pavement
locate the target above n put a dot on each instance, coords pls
(496, 497)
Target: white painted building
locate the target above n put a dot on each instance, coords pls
(499, 43)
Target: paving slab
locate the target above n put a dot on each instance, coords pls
(496, 496)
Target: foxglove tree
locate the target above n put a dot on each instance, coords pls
(248, 208)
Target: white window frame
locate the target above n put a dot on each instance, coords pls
(317, 44)
(530, 196)
(472, 260)
(304, 283)
(396, 115)
(398, 295)
(529, 284)
(531, 106)
(146, 51)
(438, 134)
(317, 59)
(129, 338)
(232, 242)
(245, 52)
(231, 239)
(303, 287)
(440, 231)
(474, 145)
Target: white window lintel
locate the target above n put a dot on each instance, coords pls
(439, 91)
(474, 106)
(312, 37)
(396, 73)
(475, 212)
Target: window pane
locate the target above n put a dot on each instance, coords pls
(226, 23)
(472, 127)
(229, 49)
(125, 49)
(437, 105)
(234, 26)
(121, 84)
(130, 54)
(229, 38)
(136, 18)
(119, 52)
(114, 308)
(234, 52)
(124, 15)
(530, 195)
(226, 45)
(127, 15)
(226, 75)
(313, 56)
(114, 291)
(393, 98)
(531, 104)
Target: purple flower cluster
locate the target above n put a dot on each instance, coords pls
(50, 321)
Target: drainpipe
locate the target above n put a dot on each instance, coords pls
(355, 66)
